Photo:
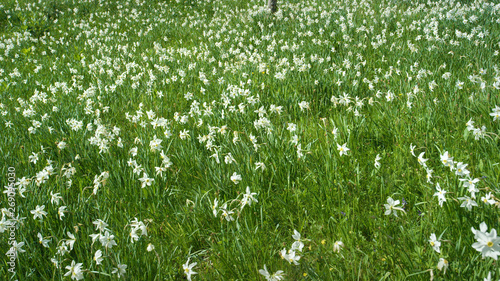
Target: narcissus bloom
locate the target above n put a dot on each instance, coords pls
(422, 160)
(235, 178)
(470, 184)
(98, 257)
(412, 148)
(278, 275)
(377, 159)
(495, 113)
(75, 271)
(42, 241)
(39, 212)
(342, 149)
(435, 243)
(120, 270)
(487, 199)
(248, 198)
(337, 246)
(226, 213)
(440, 194)
(467, 202)
(488, 243)
(107, 240)
(447, 160)
(188, 269)
(297, 245)
(290, 256)
(443, 265)
(391, 207)
(461, 169)
(145, 180)
(214, 207)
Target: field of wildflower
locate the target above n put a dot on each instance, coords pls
(214, 140)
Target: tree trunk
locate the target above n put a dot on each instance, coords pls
(272, 6)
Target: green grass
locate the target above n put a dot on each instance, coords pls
(116, 66)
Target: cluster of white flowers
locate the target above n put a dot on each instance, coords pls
(248, 198)
(100, 181)
(137, 226)
(290, 256)
(479, 133)
(225, 81)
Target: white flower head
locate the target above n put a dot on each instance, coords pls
(278, 275)
(39, 212)
(435, 243)
(188, 269)
(342, 149)
(297, 245)
(488, 243)
(75, 271)
(120, 270)
(422, 160)
(248, 198)
(235, 178)
(290, 256)
(377, 163)
(443, 265)
(440, 194)
(391, 207)
(337, 246)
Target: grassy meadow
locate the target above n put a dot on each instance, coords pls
(212, 140)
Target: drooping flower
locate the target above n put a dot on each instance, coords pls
(337, 246)
(443, 265)
(214, 207)
(55, 197)
(377, 159)
(412, 149)
(42, 241)
(71, 241)
(260, 165)
(98, 257)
